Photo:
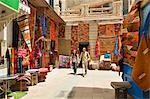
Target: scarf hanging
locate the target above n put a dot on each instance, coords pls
(116, 47)
(43, 24)
(24, 29)
(97, 48)
(52, 31)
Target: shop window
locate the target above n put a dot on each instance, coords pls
(60, 5)
(106, 5)
(51, 2)
(125, 7)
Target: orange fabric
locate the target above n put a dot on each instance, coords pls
(97, 48)
(52, 31)
(13, 61)
(110, 29)
(46, 59)
(141, 73)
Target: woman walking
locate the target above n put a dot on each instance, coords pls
(85, 58)
(75, 60)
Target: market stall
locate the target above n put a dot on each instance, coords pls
(136, 55)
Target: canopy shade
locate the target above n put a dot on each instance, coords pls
(11, 4)
(8, 10)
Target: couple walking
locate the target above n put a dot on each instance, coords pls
(84, 58)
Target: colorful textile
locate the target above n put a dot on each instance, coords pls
(52, 30)
(119, 46)
(32, 22)
(102, 30)
(32, 59)
(133, 14)
(109, 29)
(97, 48)
(64, 61)
(13, 61)
(116, 47)
(130, 46)
(83, 30)
(107, 44)
(117, 29)
(24, 28)
(43, 70)
(74, 37)
(43, 24)
(20, 69)
(22, 52)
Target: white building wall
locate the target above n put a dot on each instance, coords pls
(10, 34)
(5, 41)
(6, 37)
(47, 1)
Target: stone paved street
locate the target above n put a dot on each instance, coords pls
(62, 84)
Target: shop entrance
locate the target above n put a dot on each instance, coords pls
(82, 45)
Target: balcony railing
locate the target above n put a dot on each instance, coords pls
(71, 13)
(99, 11)
(115, 10)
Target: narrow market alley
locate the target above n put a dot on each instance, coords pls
(74, 49)
(62, 84)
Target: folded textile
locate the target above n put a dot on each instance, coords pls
(129, 47)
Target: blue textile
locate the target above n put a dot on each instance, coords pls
(116, 48)
(44, 25)
(107, 55)
(145, 28)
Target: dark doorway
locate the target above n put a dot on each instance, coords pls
(82, 45)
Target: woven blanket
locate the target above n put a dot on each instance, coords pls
(24, 29)
(130, 45)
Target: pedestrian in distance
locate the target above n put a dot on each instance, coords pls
(85, 58)
(75, 60)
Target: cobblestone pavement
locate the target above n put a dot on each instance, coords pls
(62, 84)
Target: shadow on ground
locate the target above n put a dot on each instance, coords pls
(91, 93)
(79, 74)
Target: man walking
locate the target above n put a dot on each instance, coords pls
(84, 57)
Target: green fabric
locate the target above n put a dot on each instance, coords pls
(18, 94)
(12, 4)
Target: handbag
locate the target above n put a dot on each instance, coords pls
(141, 69)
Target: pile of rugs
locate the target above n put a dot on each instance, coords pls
(30, 78)
(64, 61)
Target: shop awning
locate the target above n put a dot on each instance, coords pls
(11, 4)
(8, 10)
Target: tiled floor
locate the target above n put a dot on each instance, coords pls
(62, 84)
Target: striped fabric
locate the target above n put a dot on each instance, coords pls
(22, 52)
(24, 29)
